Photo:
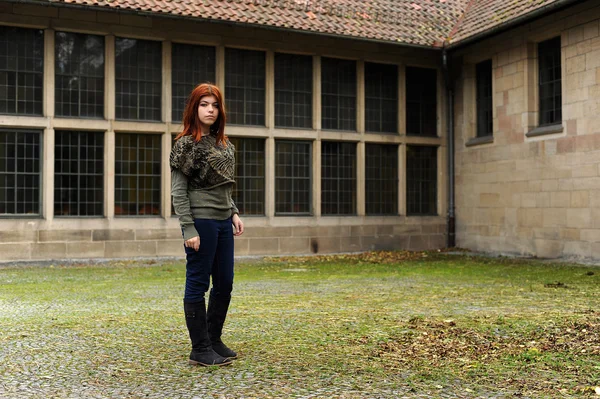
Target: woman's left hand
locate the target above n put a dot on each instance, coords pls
(238, 224)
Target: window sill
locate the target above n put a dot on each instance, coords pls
(544, 130)
(480, 140)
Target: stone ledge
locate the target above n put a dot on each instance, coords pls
(479, 140)
(544, 130)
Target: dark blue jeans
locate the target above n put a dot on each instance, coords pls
(213, 258)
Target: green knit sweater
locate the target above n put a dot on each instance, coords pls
(202, 181)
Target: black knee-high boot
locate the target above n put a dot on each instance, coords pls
(217, 312)
(202, 352)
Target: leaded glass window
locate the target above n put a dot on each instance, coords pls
(137, 174)
(293, 90)
(78, 173)
(421, 101)
(421, 180)
(483, 78)
(191, 65)
(381, 179)
(20, 169)
(138, 70)
(249, 188)
(293, 177)
(21, 70)
(550, 82)
(338, 94)
(245, 86)
(338, 178)
(381, 98)
(79, 85)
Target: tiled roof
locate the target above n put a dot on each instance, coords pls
(411, 22)
(484, 15)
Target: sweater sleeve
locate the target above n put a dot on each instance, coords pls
(181, 203)
(234, 208)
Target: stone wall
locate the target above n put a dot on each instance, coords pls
(527, 193)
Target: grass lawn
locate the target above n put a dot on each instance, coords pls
(376, 325)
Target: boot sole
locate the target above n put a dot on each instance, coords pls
(195, 363)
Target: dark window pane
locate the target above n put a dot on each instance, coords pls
(421, 101)
(381, 98)
(138, 71)
(191, 65)
(485, 123)
(137, 174)
(293, 90)
(19, 172)
(338, 94)
(21, 70)
(381, 179)
(338, 178)
(78, 173)
(249, 189)
(79, 85)
(421, 180)
(293, 163)
(245, 86)
(549, 77)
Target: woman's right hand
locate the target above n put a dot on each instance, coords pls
(193, 243)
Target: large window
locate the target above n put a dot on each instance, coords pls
(20, 172)
(78, 173)
(381, 98)
(293, 90)
(79, 83)
(137, 174)
(338, 94)
(381, 179)
(293, 161)
(338, 178)
(138, 69)
(21, 70)
(483, 78)
(245, 86)
(421, 180)
(191, 65)
(421, 101)
(550, 91)
(249, 189)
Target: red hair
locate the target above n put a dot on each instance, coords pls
(191, 122)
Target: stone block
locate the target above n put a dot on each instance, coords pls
(65, 235)
(263, 232)
(529, 217)
(77, 15)
(548, 248)
(55, 250)
(389, 243)
(579, 218)
(135, 20)
(294, 245)
(351, 244)
(578, 249)
(554, 217)
(158, 234)
(85, 249)
(438, 241)
(576, 64)
(107, 18)
(386, 229)
(580, 199)
(419, 243)
(334, 231)
(590, 235)
(325, 244)
(263, 246)
(305, 231)
(170, 248)
(406, 229)
(113, 235)
(18, 236)
(489, 199)
(15, 251)
(39, 11)
(241, 246)
(560, 199)
(546, 233)
(121, 249)
(569, 234)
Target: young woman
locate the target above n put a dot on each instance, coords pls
(202, 170)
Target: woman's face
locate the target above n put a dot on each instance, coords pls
(208, 110)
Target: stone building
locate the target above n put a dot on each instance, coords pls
(358, 125)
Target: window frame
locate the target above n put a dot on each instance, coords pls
(414, 86)
(246, 90)
(486, 101)
(383, 161)
(40, 138)
(337, 179)
(137, 66)
(381, 98)
(240, 151)
(336, 69)
(433, 181)
(80, 134)
(295, 66)
(309, 144)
